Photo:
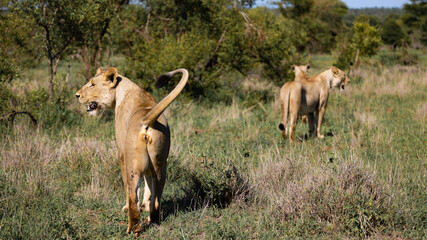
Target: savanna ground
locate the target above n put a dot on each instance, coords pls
(230, 174)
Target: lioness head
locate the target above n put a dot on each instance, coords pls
(301, 72)
(100, 91)
(300, 68)
(339, 79)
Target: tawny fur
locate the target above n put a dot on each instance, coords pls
(301, 72)
(142, 137)
(301, 75)
(309, 97)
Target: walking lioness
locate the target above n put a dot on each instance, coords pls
(307, 97)
(142, 136)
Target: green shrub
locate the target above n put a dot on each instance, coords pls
(8, 68)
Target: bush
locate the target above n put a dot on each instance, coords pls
(8, 69)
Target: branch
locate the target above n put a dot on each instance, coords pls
(58, 54)
(11, 116)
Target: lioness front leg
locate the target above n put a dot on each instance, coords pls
(123, 172)
(320, 115)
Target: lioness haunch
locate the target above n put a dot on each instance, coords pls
(142, 136)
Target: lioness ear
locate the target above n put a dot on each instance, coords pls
(334, 70)
(110, 77)
(293, 67)
(308, 66)
(100, 70)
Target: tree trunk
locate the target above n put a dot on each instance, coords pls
(51, 78)
(356, 58)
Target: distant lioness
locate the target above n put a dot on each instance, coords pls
(142, 136)
(308, 97)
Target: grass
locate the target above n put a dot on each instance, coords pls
(230, 174)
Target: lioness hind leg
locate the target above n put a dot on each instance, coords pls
(293, 123)
(294, 106)
(156, 194)
(283, 125)
(311, 124)
(134, 185)
(145, 206)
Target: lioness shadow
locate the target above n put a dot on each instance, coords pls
(306, 137)
(193, 190)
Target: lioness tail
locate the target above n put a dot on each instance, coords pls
(154, 113)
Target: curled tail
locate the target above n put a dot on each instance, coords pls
(152, 115)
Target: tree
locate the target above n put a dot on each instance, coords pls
(94, 26)
(59, 24)
(206, 37)
(415, 18)
(320, 19)
(392, 33)
(366, 40)
(363, 43)
(372, 20)
(15, 40)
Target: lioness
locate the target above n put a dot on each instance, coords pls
(142, 136)
(301, 72)
(307, 97)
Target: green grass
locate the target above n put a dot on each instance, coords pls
(230, 174)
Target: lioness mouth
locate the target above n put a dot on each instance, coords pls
(92, 106)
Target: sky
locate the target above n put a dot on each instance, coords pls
(359, 3)
(375, 3)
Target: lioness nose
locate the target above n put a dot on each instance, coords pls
(77, 95)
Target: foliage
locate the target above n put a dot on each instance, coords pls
(8, 68)
(273, 47)
(392, 33)
(415, 18)
(364, 43)
(15, 40)
(225, 39)
(151, 59)
(372, 20)
(97, 16)
(58, 26)
(321, 20)
(378, 13)
(366, 39)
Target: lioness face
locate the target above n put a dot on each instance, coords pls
(340, 79)
(100, 91)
